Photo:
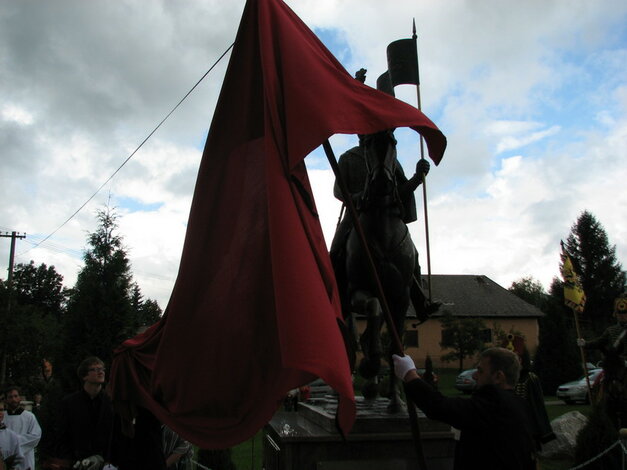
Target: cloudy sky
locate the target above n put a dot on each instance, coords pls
(532, 97)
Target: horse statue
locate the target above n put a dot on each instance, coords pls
(383, 197)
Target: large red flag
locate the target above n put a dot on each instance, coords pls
(255, 306)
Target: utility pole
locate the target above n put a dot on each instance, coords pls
(14, 236)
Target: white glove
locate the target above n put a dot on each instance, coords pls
(581, 342)
(402, 365)
(94, 462)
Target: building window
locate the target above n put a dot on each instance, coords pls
(410, 338)
(486, 335)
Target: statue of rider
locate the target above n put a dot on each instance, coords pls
(354, 171)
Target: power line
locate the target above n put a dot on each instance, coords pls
(54, 247)
(133, 153)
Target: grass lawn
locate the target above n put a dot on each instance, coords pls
(248, 455)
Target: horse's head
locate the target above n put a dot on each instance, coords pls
(380, 155)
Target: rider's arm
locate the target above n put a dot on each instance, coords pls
(422, 168)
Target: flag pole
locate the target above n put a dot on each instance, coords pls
(396, 341)
(414, 36)
(583, 355)
(569, 271)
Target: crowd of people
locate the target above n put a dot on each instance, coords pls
(502, 425)
(84, 432)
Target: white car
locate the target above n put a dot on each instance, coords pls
(577, 390)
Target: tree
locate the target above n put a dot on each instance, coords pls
(531, 291)
(557, 359)
(602, 276)
(146, 312)
(30, 332)
(463, 335)
(100, 313)
(41, 286)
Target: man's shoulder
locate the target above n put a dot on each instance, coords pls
(496, 395)
(352, 153)
(615, 328)
(23, 415)
(486, 391)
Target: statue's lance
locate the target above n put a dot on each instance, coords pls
(402, 56)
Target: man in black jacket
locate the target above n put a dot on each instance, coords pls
(90, 433)
(86, 420)
(494, 422)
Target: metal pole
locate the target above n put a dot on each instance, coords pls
(424, 180)
(583, 355)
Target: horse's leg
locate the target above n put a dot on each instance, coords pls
(370, 341)
(396, 403)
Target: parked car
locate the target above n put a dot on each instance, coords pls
(465, 381)
(577, 390)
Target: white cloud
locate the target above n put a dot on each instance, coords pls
(513, 143)
(83, 83)
(17, 114)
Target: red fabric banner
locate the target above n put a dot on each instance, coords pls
(255, 306)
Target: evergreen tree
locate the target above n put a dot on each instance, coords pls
(602, 276)
(463, 335)
(145, 312)
(557, 359)
(100, 312)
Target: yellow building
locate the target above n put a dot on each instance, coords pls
(475, 296)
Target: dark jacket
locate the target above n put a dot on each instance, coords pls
(86, 426)
(494, 424)
(89, 427)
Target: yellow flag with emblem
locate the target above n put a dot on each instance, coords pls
(574, 296)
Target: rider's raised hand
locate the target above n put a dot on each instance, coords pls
(422, 167)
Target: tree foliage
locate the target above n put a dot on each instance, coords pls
(463, 335)
(106, 306)
(145, 312)
(531, 291)
(30, 326)
(602, 276)
(557, 359)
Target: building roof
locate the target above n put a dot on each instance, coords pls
(477, 296)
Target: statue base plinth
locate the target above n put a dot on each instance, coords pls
(308, 439)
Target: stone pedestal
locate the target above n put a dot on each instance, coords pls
(308, 440)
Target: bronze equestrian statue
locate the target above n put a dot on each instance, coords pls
(384, 199)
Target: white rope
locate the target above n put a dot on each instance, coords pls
(600, 455)
(199, 465)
